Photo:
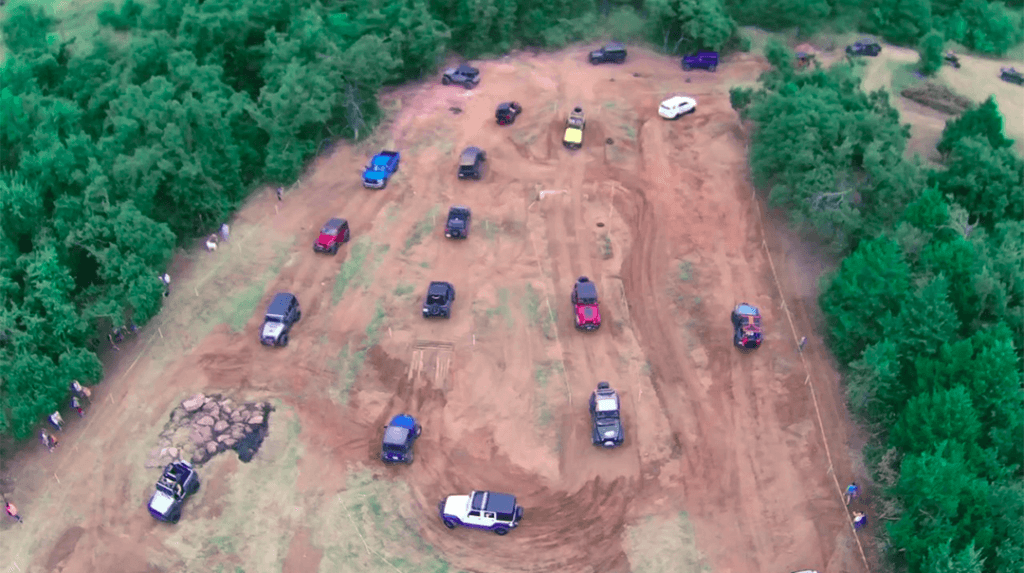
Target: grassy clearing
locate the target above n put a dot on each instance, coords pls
(350, 268)
(630, 132)
(543, 373)
(490, 230)
(664, 545)
(366, 528)
(538, 313)
(503, 309)
(685, 271)
(904, 75)
(423, 228)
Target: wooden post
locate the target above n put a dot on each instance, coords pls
(160, 332)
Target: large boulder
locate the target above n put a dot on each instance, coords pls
(256, 420)
(206, 421)
(194, 403)
(212, 447)
(220, 426)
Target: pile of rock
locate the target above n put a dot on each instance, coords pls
(204, 426)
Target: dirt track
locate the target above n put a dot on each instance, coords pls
(661, 219)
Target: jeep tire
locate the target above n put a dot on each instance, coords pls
(298, 316)
(194, 489)
(501, 530)
(686, 67)
(174, 517)
(468, 85)
(449, 523)
(713, 67)
(408, 458)
(283, 341)
(334, 249)
(446, 81)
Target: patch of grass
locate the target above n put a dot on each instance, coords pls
(403, 289)
(425, 264)
(685, 271)
(241, 307)
(540, 374)
(490, 230)
(347, 364)
(373, 329)
(543, 372)
(664, 545)
(903, 75)
(606, 247)
(379, 251)
(630, 132)
(364, 529)
(223, 543)
(539, 314)
(503, 308)
(350, 268)
(610, 104)
(423, 228)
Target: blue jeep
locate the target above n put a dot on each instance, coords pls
(703, 60)
(399, 437)
(380, 169)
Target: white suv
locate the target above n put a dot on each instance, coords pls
(676, 107)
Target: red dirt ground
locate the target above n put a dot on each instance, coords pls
(662, 220)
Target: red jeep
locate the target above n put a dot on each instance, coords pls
(584, 304)
(333, 234)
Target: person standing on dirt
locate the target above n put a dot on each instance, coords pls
(80, 390)
(49, 441)
(280, 193)
(57, 420)
(110, 338)
(852, 492)
(77, 406)
(224, 232)
(166, 279)
(12, 511)
(860, 520)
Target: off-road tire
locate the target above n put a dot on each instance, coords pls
(419, 431)
(445, 81)
(501, 530)
(713, 67)
(408, 459)
(194, 489)
(284, 341)
(174, 518)
(448, 523)
(468, 85)
(348, 236)
(734, 318)
(334, 249)
(686, 67)
(298, 316)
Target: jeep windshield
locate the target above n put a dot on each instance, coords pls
(332, 231)
(274, 318)
(436, 299)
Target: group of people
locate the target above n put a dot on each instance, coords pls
(78, 393)
(118, 333)
(860, 519)
(212, 240)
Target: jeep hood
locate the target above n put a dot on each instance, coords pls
(573, 135)
(588, 314)
(161, 502)
(371, 174)
(456, 505)
(609, 430)
(272, 329)
(324, 239)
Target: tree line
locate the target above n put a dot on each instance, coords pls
(926, 309)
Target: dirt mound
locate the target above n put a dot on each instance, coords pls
(937, 97)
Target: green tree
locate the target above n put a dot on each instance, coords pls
(930, 51)
(688, 25)
(932, 418)
(984, 120)
(901, 22)
(26, 28)
(988, 181)
(869, 286)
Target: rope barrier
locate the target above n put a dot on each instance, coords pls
(808, 380)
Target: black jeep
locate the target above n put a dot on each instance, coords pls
(457, 226)
(439, 299)
(604, 412)
(282, 313)
(178, 482)
(465, 75)
(507, 112)
(471, 163)
(610, 53)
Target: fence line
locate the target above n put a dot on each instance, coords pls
(807, 371)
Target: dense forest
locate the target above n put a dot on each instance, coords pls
(926, 309)
(118, 148)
